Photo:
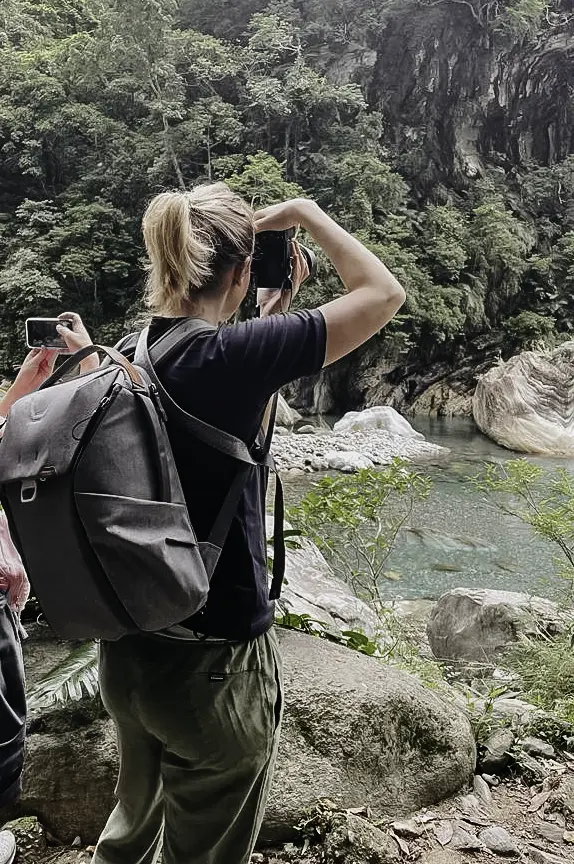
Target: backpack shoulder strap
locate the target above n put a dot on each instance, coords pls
(259, 455)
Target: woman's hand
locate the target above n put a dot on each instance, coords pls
(77, 337)
(271, 301)
(38, 365)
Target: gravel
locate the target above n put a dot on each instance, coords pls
(311, 452)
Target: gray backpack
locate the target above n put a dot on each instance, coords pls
(94, 502)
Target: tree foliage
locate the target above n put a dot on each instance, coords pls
(106, 102)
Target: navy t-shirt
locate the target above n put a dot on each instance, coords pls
(226, 378)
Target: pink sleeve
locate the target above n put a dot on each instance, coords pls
(12, 574)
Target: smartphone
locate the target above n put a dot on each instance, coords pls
(42, 333)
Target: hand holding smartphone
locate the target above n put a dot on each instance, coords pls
(43, 333)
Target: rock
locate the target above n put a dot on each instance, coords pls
(353, 840)
(442, 856)
(496, 751)
(482, 790)
(408, 828)
(527, 404)
(561, 798)
(301, 451)
(463, 839)
(379, 417)
(286, 416)
(548, 830)
(472, 811)
(312, 589)
(307, 429)
(537, 747)
(491, 780)
(347, 461)
(355, 732)
(30, 839)
(498, 840)
(477, 624)
(538, 856)
(281, 430)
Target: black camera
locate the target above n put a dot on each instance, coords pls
(272, 265)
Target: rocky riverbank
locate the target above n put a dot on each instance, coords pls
(365, 439)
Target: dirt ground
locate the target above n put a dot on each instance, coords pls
(538, 819)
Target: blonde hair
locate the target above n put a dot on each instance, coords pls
(191, 239)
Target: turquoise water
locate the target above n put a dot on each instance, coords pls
(456, 538)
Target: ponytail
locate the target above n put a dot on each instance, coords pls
(191, 237)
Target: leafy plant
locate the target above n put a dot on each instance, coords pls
(544, 500)
(73, 678)
(354, 520)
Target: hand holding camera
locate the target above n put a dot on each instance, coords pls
(280, 264)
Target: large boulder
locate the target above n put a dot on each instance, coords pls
(380, 417)
(527, 404)
(477, 624)
(355, 732)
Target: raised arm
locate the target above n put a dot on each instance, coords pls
(373, 296)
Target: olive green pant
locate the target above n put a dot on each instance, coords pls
(198, 729)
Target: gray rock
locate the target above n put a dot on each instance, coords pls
(477, 624)
(355, 732)
(482, 790)
(286, 416)
(442, 856)
(498, 840)
(307, 429)
(527, 404)
(408, 828)
(379, 417)
(361, 734)
(537, 747)
(348, 461)
(539, 856)
(496, 751)
(463, 839)
(30, 839)
(311, 588)
(550, 831)
(354, 840)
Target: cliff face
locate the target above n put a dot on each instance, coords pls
(461, 96)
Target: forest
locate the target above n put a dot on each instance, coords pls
(106, 102)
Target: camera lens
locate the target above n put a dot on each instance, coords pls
(311, 260)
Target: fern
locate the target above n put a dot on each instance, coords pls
(71, 679)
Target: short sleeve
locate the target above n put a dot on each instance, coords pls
(276, 350)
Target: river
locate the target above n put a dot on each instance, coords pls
(458, 538)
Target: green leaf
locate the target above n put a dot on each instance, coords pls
(73, 678)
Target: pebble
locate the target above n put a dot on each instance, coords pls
(537, 747)
(306, 430)
(498, 840)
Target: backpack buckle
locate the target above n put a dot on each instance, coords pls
(28, 491)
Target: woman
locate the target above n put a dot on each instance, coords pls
(37, 366)
(198, 721)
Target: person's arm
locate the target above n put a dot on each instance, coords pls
(39, 363)
(373, 296)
